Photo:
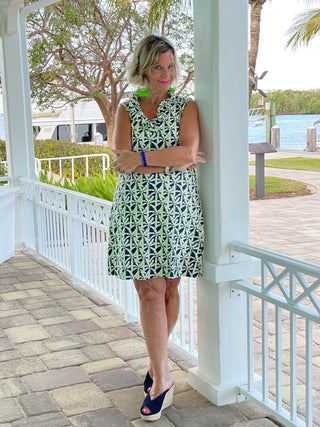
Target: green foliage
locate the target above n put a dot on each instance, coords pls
(3, 152)
(51, 148)
(305, 28)
(295, 163)
(96, 186)
(79, 49)
(278, 185)
(292, 101)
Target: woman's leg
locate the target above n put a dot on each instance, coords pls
(153, 314)
(172, 302)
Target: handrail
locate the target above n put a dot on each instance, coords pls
(284, 299)
(105, 158)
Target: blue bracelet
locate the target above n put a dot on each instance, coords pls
(144, 160)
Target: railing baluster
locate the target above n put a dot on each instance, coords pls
(86, 253)
(293, 352)
(94, 258)
(104, 263)
(293, 367)
(103, 166)
(191, 317)
(99, 260)
(250, 342)
(72, 169)
(90, 248)
(182, 338)
(309, 402)
(278, 358)
(265, 379)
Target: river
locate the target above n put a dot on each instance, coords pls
(293, 130)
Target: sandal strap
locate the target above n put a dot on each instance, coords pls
(148, 381)
(154, 405)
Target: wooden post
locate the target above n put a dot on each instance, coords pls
(275, 136)
(267, 107)
(273, 114)
(311, 139)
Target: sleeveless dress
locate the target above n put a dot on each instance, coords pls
(156, 221)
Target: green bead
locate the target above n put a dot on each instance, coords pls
(142, 92)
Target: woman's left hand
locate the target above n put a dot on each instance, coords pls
(126, 161)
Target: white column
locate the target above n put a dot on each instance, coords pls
(17, 105)
(221, 91)
(16, 98)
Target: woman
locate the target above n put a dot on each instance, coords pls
(156, 224)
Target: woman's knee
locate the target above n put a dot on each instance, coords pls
(172, 286)
(150, 289)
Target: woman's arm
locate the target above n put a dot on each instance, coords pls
(184, 154)
(122, 140)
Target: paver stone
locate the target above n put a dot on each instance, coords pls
(80, 398)
(56, 378)
(26, 333)
(110, 417)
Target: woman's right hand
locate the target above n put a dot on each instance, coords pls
(199, 159)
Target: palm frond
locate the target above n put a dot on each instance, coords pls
(305, 27)
(160, 8)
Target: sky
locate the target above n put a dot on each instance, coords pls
(287, 69)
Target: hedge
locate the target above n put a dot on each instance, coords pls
(96, 186)
(51, 148)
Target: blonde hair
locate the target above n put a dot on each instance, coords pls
(146, 55)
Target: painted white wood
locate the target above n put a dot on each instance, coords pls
(277, 272)
(32, 7)
(221, 46)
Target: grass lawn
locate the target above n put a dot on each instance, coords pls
(279, 187)
(297, 163)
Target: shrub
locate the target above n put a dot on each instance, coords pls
(3, 153)
(51, 148)
(96, 185)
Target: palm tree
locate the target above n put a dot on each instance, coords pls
(305, 27)
(255, 18)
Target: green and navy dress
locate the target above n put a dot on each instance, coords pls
(156, 222)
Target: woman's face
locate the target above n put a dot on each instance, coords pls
(162, 73)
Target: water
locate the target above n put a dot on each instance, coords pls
(293, 131)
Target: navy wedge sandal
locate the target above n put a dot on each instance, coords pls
(156, 406)
(148, 381)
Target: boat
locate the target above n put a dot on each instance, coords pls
(256, 116)
(84, 121)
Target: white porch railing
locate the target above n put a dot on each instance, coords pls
(105, 158)
(283, 343)
(71, 230)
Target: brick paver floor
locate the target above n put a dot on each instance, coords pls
(290, 226)
(68, 358)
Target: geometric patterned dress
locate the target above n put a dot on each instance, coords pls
(156, 222)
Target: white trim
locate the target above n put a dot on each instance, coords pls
(36, 5)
